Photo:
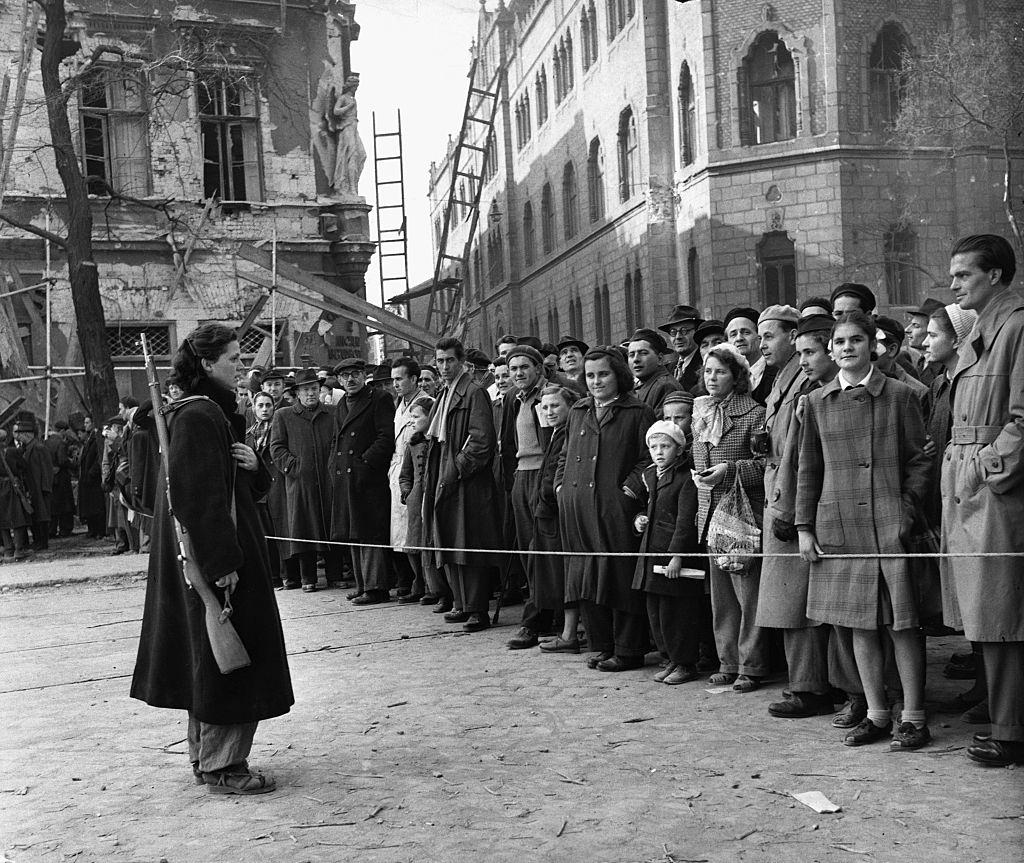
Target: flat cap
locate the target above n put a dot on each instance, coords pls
(779, 313)
(709, 328)
(273, 375)
(815, 324)
(356, 364)
(531, 353)
(532, 341)
(892, 329)
(654, 339)
(478, 359)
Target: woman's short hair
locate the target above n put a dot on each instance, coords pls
(569, 396)
(941, 317)
(205, 342)
(728, 356)
(623, 375)
(861, 320)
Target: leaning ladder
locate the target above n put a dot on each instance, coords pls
(392, 236)
(481, 108)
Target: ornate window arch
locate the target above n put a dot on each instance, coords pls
(886, 82)
(687, 116)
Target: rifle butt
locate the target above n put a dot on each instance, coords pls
(228, 650)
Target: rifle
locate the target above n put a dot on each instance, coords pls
(227, 647)
(17, 486)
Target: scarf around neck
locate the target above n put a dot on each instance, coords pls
(709, 418)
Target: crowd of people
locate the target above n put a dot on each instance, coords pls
(812, 489)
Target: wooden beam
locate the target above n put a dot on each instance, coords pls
(343, 303)
(251, 315)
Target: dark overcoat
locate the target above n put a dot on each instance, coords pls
(983, 473)
(175, 666)
(547, 574)
(276, 499)
(38, 478)
(654, 390)
(782, 593)
(300, 444)
(62, 498)
(12, 511)
(92, 502)
(410, 484)
(861, 474)
(143, 450)
(364, 441)
(670, 501)
(460, 505)
(599, 459)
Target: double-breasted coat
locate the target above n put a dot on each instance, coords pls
(460, 499)
(601, 456)
(399, 511)
(983, 473)
(92, 502)
(861, 475)
(782, 593)
(364, 441)
(38, 478)
(300, 444)
(175, 665)
(671, 505)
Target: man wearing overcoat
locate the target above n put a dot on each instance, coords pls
(983, 483)
(38, 481)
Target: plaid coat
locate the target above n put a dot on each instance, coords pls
(743, 416)
(861, 474)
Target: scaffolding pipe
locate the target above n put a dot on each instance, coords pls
(49, 332)
(23, 290)
(41, 377)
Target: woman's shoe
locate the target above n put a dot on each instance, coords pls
(746, 683)
(722, 678)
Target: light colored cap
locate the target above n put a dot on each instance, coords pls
(779, 313)
(666, 428)
(962, 320)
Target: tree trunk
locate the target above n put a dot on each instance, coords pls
(100, 388)
(1011, 215)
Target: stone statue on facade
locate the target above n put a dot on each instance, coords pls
(336, 132)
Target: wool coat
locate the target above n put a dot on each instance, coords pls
(143, 449)
(670, 501)
(175, 665)
(410, 485)
(782, 593)
(547, 574)
(861, 475)
(62, 497)
(364, 442)
(12, 511)
(300, 444)
(654, 390)
(399, 511)
(743, 416)
(602, 456)
(983, 473)
(460, 499)
(38, 478)
(91, 499)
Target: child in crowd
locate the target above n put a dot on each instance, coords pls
(862, 471)
(410, 482)
(674, 598)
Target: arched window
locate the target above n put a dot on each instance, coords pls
(627, 290)
(629, 172)
(576, 315)
(768, 92)
(478, 272)
(529, 235)
(900, 253)
(463, 206)
(556, 67)
(598, 318)
(886, 84)
(638, 297)
(776, 258)
(542, 97)
(495, 258)
(693, 274)
(547, 218)
(687, 116)
(595, 180)
(527, 115)
(491, 157)
(570, 201)
(553, 324)
(614, 16)
(585, 54)
(590, 32)
(606, 314)
(567, 59)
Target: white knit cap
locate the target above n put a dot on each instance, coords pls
(666, 428)
(962, 321)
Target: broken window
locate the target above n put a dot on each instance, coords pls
(229, 123)
(113, 121)
(768, 92)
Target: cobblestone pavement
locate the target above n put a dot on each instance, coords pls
(411, 742)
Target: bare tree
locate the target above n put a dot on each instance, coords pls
(967, 91)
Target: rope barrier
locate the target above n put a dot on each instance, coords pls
(948, 555)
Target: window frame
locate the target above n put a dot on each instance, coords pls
(247, 124)
(629, 153)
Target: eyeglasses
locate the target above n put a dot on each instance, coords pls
(682, 331)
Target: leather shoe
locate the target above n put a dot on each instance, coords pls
(309, 588)
(523, 640)
(429, 599)
(560, 645)
(978, 715)
(997, 753)
(908, 737)
(801, 705)
(666, 669)
(477, 623)
(443, 606)
(983, 737)
(682, 674)
(372, 597)
(353, 594)
(457, 615)
(593, 661)
(853, 714)
(410, 598)
(867, 732)
(621, 663)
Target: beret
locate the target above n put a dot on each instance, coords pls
(815, 324)
(527, 351)
(855, 289)
(751, 314)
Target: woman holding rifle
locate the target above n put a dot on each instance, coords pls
(213, 480)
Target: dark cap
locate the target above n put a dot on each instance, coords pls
(815, 324)
(356, 364)
(855, 289)
(646, 334)
(531, 353)
(892, 328)
(28, 426)
(681, 314)
(928, 308)
(816, 302)
(305, 376)
(477, 358)
(273, 375)
(708, 328)
(548, 349)
(748, 312)
(681, 397)
(112, 421)
(573, 342)
(532, 341)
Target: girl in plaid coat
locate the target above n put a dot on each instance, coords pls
(862, 473)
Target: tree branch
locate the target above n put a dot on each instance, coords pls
(69, 85)
(28, 227)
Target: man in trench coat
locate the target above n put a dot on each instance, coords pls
(364, 441)
(983, 483)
